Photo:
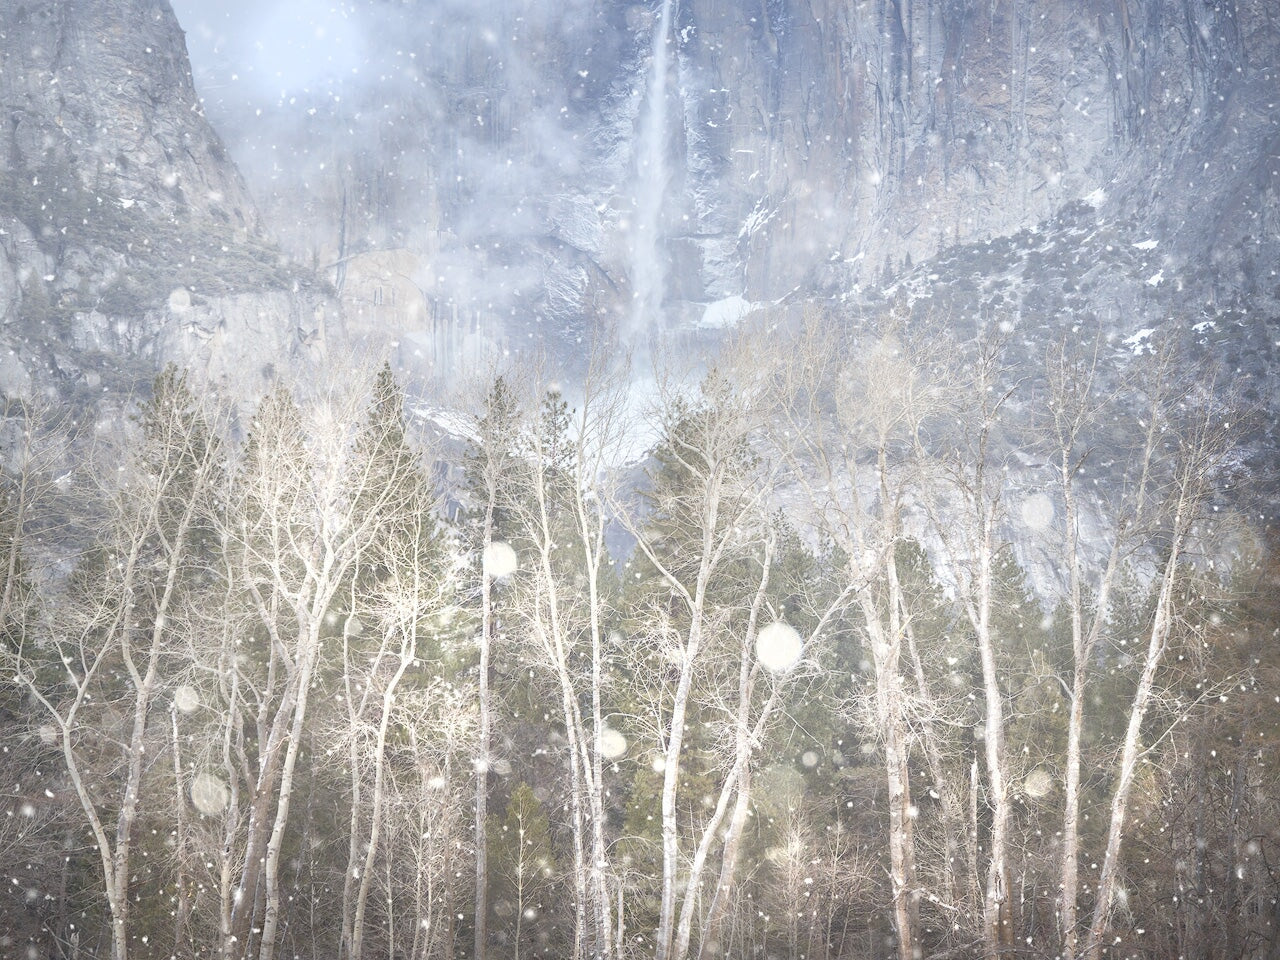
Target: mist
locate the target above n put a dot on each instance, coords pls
(472, 135)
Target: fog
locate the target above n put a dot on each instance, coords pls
(474, 136)
(245, 53)
(908, 588)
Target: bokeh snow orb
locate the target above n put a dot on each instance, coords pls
(1038, 783)
(186, 699)
(180, 300)
(499, 560)
(809, 758)
(781, 786)
(209, 794)
(612, 743)
(1037, 511)
(778, 647)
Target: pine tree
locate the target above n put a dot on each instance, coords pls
(522, 866)
(395, 492)
(490, 463)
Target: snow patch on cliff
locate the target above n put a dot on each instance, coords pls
(725, 314)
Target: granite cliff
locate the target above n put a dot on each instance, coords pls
(804, 149)
(487, 181)
(127, 235)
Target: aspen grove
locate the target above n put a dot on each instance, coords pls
(858, 641)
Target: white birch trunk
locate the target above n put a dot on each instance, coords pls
(1157, 642)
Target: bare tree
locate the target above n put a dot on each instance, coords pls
(560, 516)
(939, 705)
(790, 863)
(1075, 403)
(548, 614)
(305, 509)
(855, 411)
(1190, 440)
(400, 595)
(970, 541)
(492, 460)
(709, 539)
(598, 429)
(410, 600)
(97, 668)
(738, 781)
(427, 821)
(841, 885)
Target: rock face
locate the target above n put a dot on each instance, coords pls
(819, 149)
(101, 95)
(127, 235)
(874, 132)
(811, 147)
(1057, 169)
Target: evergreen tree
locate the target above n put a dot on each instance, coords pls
(490, 463)
(523, 872)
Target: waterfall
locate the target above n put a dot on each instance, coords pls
(648, 273)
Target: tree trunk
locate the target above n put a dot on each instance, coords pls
(886, 649)
(892, 723)
(249, 892)
(1159, 638)
(714, 940)
(407, 654)
(670, 786)
(308, 653)
(595, 767)
(182, 895)
(906, 907)
(1069, 882)
(548, 626)
(738, 780)
(998, 907)
(482, 760)
(346, 941)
